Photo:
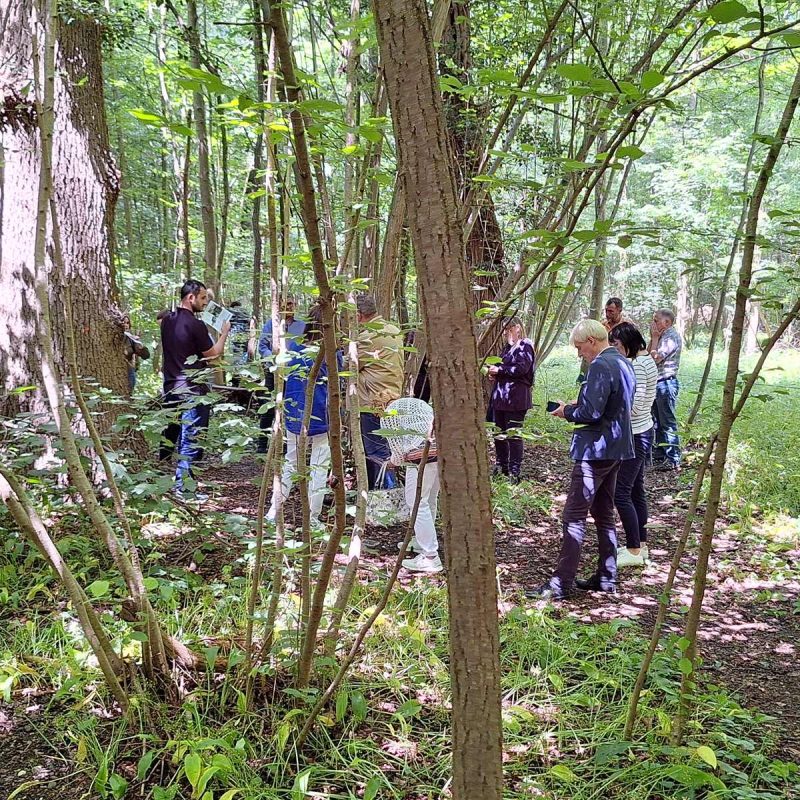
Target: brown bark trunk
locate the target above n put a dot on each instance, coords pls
(484, 245)
(258, 160)
(406, 47)
(211, 274)
(86, 185)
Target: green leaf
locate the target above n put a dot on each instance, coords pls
(192, 766)
(575, 72)
(118, 786)
(150, 584)
(145, 762)
(609, 750)
(98, 588)
(229, 795)
(310, 106)
(630, 151)
(207, 775)
(685, 666)
(342, 699)
(409, 709)
(359, 705)
(791, 38)
(550, 99)
(373, 786)
(210, 654)
(563, 773)
(727, 11)
(706, 754)
(300, 787)
(625, 241)
(651, 79)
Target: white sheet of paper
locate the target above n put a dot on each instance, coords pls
(216, 316)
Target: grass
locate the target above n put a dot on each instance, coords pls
(565, 689)
(565, 683)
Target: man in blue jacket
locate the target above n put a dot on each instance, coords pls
(602, 438)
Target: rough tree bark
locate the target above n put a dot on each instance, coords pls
(404, 39)
(86, 185)
(210, 274)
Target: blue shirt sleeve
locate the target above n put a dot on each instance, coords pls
(593, 397)
(265, 340)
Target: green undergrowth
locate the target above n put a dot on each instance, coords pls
(386, 734)
(566, 683)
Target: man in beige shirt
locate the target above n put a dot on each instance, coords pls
(614, 315)
(380, 381)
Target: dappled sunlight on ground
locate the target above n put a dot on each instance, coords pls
(750, 626)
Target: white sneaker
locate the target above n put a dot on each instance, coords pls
(413, 546)
(191, 497)
(627, 559)
(423, 563)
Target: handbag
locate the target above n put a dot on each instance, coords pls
(415, 456)
(387, 507)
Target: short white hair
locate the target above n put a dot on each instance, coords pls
(588, 329)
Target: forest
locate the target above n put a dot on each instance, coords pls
(397, 399)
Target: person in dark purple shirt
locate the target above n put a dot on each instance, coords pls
(512, 380)
(187, 348)
(603, 438)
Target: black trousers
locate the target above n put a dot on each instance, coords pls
(508, 447)
(591, 491)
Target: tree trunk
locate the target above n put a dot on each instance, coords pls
(406, 48)
(683, 318)
(466, 133)
(256, 177)
(211, 275)
(86, 185)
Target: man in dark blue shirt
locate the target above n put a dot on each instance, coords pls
(602, 439)
(293, 329)
(187, 348)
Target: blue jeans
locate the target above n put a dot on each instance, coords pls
(591, 491)
(668, 444)
(376, 449)
(629, 496)
(194, 421)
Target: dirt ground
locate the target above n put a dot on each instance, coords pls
(750, 631)
(751, 625)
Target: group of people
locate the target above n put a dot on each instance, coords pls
(188, 347)
(624, 416)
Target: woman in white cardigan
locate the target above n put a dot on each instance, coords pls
(413, 420)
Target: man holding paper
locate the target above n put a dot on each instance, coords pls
(187, 348)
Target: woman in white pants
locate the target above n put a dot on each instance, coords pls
(294, 405)
(410, 414)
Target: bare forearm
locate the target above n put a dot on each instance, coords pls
(219, 347)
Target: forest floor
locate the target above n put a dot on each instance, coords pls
(750, 630)
(750, 635)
